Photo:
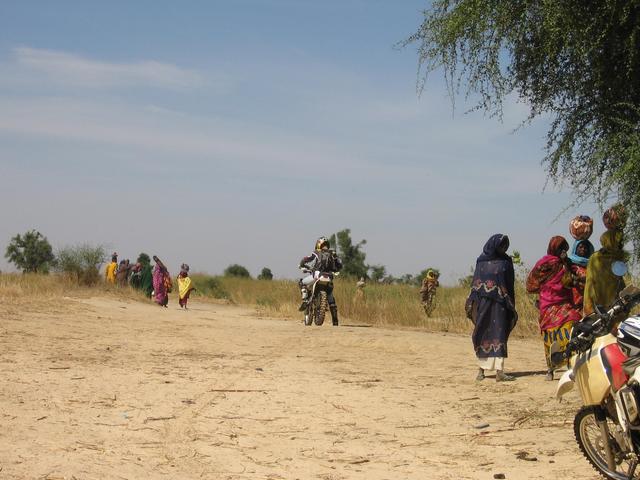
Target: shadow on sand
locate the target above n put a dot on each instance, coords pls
(530, 373)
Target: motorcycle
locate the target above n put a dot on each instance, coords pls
(318, 300)
(606, 370)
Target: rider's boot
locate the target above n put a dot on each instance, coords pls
(334, 314)
(305, 301)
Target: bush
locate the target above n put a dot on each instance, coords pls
(144, 259)
(82, 262)
(265, 274)
(210, 287)
(236, 270)
(31, 252)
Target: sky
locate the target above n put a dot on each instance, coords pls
(221, 132)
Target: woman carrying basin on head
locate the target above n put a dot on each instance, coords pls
(603, 286)
(579, 256)
(491, 306)
(581, 229)
(185, 286)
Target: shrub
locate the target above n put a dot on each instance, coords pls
(265, 274)
(31, 252)
(210, 287)
(144, 259)
(82, 262)
(236, 270)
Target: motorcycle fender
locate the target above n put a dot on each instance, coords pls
(565, 384)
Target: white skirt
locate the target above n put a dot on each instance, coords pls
(491, 363)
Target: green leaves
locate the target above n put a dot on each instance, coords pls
(30, 252)
(576, 61)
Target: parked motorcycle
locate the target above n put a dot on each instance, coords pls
(318, 299)
(605, 369)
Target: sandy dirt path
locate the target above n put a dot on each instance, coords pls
(106, 389)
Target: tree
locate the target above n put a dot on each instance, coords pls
(144, 259)
(351, 255)
(30, 252)
(236, 270)
(406, 279)
(82, 262)
(578, 63)
(265, 274)
(378, 272)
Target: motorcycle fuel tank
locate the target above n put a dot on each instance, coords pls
(591, 374)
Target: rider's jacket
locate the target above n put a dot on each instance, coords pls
(312, 262)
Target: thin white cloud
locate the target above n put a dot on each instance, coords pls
(262, 149)
(73, 70)
(162, 131)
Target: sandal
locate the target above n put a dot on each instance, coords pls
(503, 377)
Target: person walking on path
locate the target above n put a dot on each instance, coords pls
(602, 286)
(491, 306)
(161, 287)
(122, 276)
(428, 291)
(551, 279)
(360, 285)
(112, 269)
(579, 256)
(185, 286)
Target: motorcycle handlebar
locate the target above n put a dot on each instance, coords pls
(584, 339)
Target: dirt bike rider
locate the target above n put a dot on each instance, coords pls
(321, 259)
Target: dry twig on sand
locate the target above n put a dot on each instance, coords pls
(155, 419)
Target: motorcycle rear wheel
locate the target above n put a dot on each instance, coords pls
(590, 441)
(321, 307)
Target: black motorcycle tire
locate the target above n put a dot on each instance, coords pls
(320, 307)
(584, 419)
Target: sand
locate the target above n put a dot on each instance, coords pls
(102, 388)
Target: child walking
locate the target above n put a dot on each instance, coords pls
(184, 286)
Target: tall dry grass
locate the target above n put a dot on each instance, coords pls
(33, 288)
(384, 305)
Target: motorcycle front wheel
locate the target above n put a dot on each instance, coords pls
(592, 445)
(320, 307)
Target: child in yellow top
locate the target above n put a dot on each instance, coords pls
(184, 286)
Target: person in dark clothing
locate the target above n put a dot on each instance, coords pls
(325, 260)
(491, 306)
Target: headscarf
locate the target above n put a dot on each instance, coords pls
(556, 245)
(577, 259)
(602, 285)
(494, 276)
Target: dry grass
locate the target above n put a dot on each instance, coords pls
(388, 305)
(385, 305)
(19, 289)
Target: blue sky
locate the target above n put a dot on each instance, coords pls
(215, 132)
